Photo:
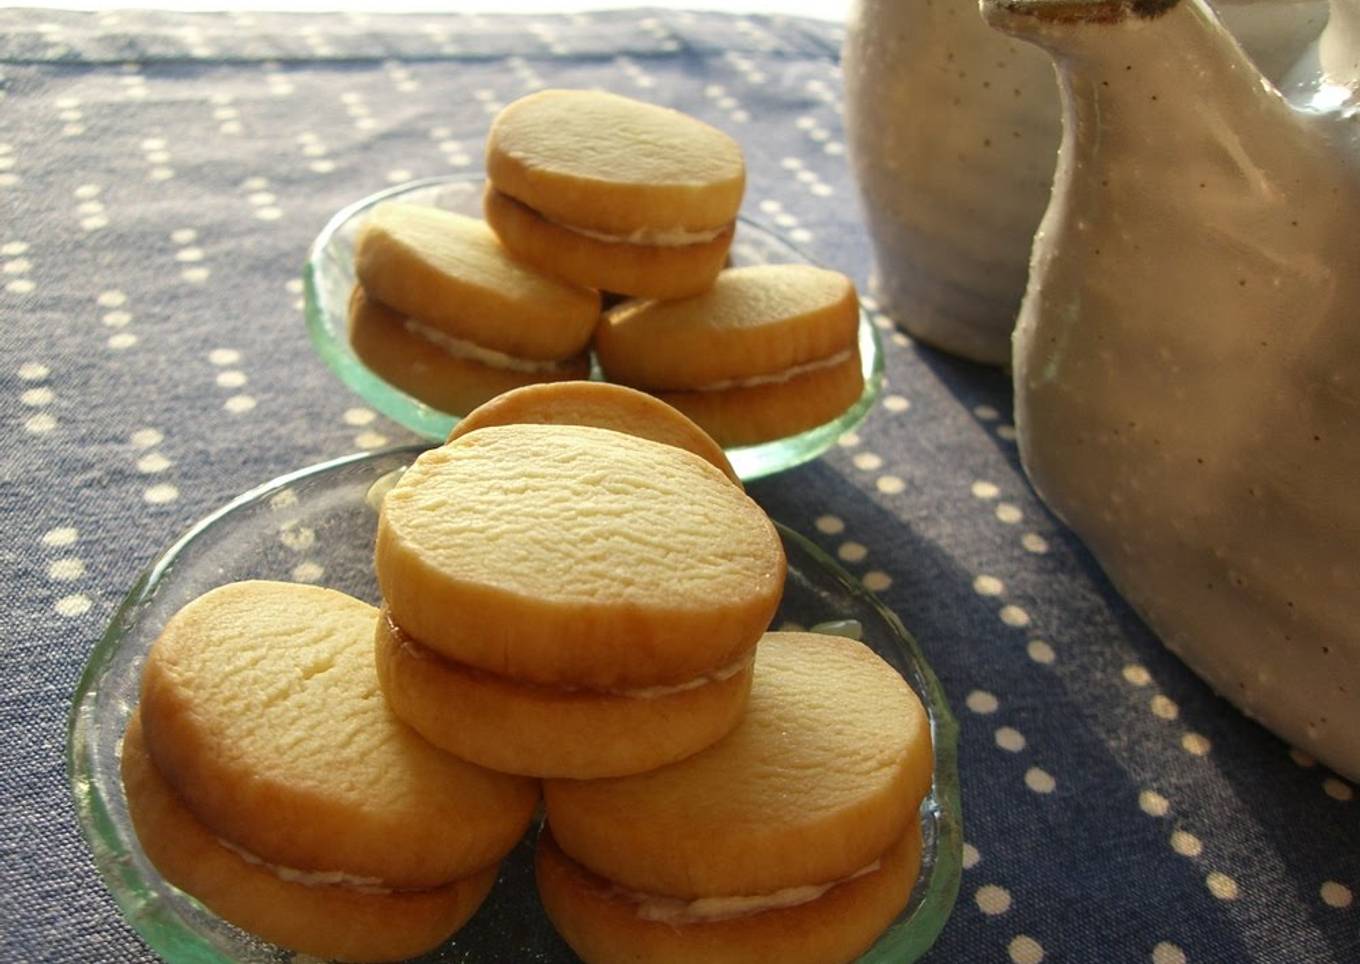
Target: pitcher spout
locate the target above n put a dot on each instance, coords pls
(1180, 37)
(1023, 17)
(1129, 68)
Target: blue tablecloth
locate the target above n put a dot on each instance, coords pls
(160, 179)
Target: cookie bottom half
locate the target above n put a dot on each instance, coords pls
(601, 405)
(603, 923)
(749, 415)
(325, 920)
(550, 731)
(424, 370)
(641, 270)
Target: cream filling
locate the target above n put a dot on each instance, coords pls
(385, 484)
(670, 910)
(459, 348)
(654, 237)
(311, 878)
(636, 693)
(656, 692)
(778, 378)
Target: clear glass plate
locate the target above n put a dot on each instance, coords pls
(328, 279)
(318, 524)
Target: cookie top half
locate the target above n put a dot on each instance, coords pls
(449, 272)
(759, 320)
(580, 556)
(606, 163)
(825, 772)
(260, 706)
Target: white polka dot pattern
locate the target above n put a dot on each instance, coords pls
(724, 101)
(1164, 708)
(1026, 950)
(1153, 803)
(152, 347)
(1137, 675)
(993, 900)
(1336, 895)
(161, 493)
(830, 524)
(1040, 781)
(59, 537)
(980, 701)
(1221, 885)
(1167, 953)
(876, 580)
(1040, 651)
(1186, 844)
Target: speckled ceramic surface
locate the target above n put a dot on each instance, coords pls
(953, 130)
(1186, 360)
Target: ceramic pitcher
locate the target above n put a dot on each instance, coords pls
(1187, 358)
(952, 131)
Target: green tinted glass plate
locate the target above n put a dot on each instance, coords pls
(318, 525)
(328, 279)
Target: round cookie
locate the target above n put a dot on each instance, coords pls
(753, 414)
(578, 556)
(328, 920)
(553, 731)
(603, 406)
(612, 192)
(613, 164)
(758, 320)
(449, 273)
(777, 342)
(426, 364)
(677, 268)
(260, 707)
(605, 924)
(745, 817)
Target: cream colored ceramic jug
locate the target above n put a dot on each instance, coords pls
(1187, 359)
(952, 131)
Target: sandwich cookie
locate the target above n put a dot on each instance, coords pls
(601, 405)
(613, 193)
(440, 371)
(328, 914)
(767, 352)
(267, 778)
(570, 600)
(795, 838)
(454, 287)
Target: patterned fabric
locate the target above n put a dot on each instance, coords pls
(160, 179)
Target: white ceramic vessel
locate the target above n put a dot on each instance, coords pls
(952, 129)
(1187, 359)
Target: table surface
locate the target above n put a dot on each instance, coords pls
(160, 178)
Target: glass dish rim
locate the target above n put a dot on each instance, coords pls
(918, 932)
(434, 425)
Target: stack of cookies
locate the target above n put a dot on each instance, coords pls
(266, 777)
(568, 597)
(613, 193)
(593, 192)
(795, 839)
(577, 589)
(567, 600)
(443, 312)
